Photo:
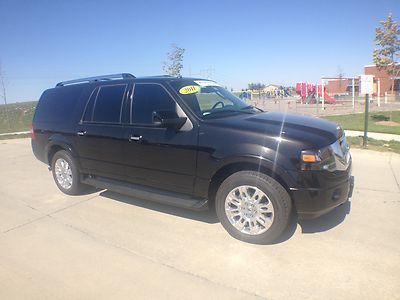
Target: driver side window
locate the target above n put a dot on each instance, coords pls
(148, 98)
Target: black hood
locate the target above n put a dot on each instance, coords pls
(310, 131)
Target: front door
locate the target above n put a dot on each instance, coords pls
(159, 157)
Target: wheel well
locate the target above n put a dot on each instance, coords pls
(228, 170)
(53, 150)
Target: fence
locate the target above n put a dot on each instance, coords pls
(342, 105)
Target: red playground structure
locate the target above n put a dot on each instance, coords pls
(308, 93)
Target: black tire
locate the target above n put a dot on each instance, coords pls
(76, 187)
(277, 195)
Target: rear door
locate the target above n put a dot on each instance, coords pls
(100, 136)
(155, 156)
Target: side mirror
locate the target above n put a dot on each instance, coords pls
(168, 119)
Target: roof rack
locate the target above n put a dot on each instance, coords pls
(97, 78)
(159, 76)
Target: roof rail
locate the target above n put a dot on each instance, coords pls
(97, 78)
(159, 76)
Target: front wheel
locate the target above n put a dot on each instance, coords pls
(65, 173)
(253, 207)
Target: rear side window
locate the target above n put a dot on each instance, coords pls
(58, 104)
(147, 99)
(105, 103)
(87, 117)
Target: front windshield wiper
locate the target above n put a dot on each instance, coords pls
(251, 106)
(212, 113)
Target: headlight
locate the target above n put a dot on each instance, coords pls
(335, 157)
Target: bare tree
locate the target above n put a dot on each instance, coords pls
(4, 95)
(174, 63)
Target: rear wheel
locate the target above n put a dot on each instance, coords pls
(65, 173)
(253, 207)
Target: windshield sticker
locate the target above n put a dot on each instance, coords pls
(204, 83)
(189, 89)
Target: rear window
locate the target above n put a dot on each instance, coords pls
(58, 104)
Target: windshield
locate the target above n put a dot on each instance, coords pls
(207, 99)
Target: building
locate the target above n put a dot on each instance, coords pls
(382, 82)
(337, 86)
(382, 79)
(271, 88)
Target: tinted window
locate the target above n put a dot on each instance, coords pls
(148, 98)
(87, 117)
(58, 104)
(108, 103)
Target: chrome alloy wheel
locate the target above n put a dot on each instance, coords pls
(249, 210)
(63, 173)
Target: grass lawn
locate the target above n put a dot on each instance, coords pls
(356, 121)
(372, 144)
(19, 116)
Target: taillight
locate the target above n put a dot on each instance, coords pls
(33, 135)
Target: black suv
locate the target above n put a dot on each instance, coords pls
(189, 142)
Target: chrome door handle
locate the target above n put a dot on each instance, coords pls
(135, 138)
(81, 133)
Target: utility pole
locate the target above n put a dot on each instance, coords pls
(208, 73)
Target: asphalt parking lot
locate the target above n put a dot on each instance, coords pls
(103, 245)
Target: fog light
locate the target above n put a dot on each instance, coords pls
(336, 194)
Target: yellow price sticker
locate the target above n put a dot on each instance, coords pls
(189, 89)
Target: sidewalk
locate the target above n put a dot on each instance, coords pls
(375, 135)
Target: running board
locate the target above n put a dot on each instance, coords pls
(147, 193)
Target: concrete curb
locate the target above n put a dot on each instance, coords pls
(14, 133)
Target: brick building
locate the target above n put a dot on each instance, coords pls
(337, 86)
(384, 78)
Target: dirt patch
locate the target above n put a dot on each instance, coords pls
(388, 123)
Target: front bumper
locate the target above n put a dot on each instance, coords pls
(314, 202)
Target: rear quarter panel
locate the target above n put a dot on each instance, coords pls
(56, 116)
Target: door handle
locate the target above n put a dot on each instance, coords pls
(135, 138)
(81, 133)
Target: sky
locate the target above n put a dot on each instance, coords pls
(236, 42)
